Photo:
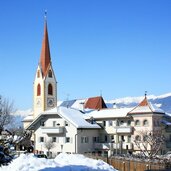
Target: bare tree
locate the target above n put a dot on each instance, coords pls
(149, 143)
(6, 109)
(49, 145)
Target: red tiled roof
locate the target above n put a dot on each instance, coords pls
(95, 103)
(45, 59)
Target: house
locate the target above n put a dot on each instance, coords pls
(66, 128)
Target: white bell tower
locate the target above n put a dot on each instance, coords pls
(45, 85)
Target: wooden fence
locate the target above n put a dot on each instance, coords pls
(131, 165)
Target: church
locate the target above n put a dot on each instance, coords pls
(87, 125)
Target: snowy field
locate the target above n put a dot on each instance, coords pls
(63, 162)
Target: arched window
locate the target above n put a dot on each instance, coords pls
(129, 122)
(145, 123)
(145, 138)
(138, 138)
(38, 90)
(137, 123)
(50, 89)
(50, 74)
(121, 122)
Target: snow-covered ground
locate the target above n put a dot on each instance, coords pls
(63, 162)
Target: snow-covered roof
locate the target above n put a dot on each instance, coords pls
(79, 104)
(168, 114)
(75, 117)
(71, 115)
(151, 108)
(28, 118)
(146, 107)
(108, 113)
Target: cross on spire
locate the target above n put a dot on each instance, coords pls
(45, 15)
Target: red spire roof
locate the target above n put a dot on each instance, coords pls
(144, 102)
(45, 59)
(95, 103)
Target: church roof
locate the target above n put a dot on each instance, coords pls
(146, 107)
(95, 103)
(45, 59)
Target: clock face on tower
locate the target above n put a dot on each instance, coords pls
(50, 102)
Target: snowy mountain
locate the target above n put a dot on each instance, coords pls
(162, 101)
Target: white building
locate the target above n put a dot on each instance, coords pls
(82, 126)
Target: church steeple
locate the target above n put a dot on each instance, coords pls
(45, 59)
(45, 85)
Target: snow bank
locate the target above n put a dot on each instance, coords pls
(63, 162)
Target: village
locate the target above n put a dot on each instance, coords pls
(86, 126)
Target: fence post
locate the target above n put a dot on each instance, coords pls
(147, 167)
(123, 166)
(129, 165)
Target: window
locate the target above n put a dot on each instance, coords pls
(38, 90)
(138, 138)
(96, 139)
(50, 74)
(137, 123)
(105, 138)
(145, 123)
(54, 123)
(104, 123)
(112, 138)
(129, 122)
(53, 139)
(145, 137)
(42, 123)
(117, 123)
(66, 123)
(129, 138)
(110, 123)
(41, 139)
(38, 74)
(122, 138)
(84, 139)
(50, 89)
(121, 122)
(67, 140)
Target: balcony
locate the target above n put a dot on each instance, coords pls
(52, 130)
(123, 129)
(104, 146)
(119, 145)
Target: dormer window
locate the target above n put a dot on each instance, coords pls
(50, 74)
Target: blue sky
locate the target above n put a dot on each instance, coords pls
(117, 47)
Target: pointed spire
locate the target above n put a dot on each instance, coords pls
(45, 59)
(145, 101)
